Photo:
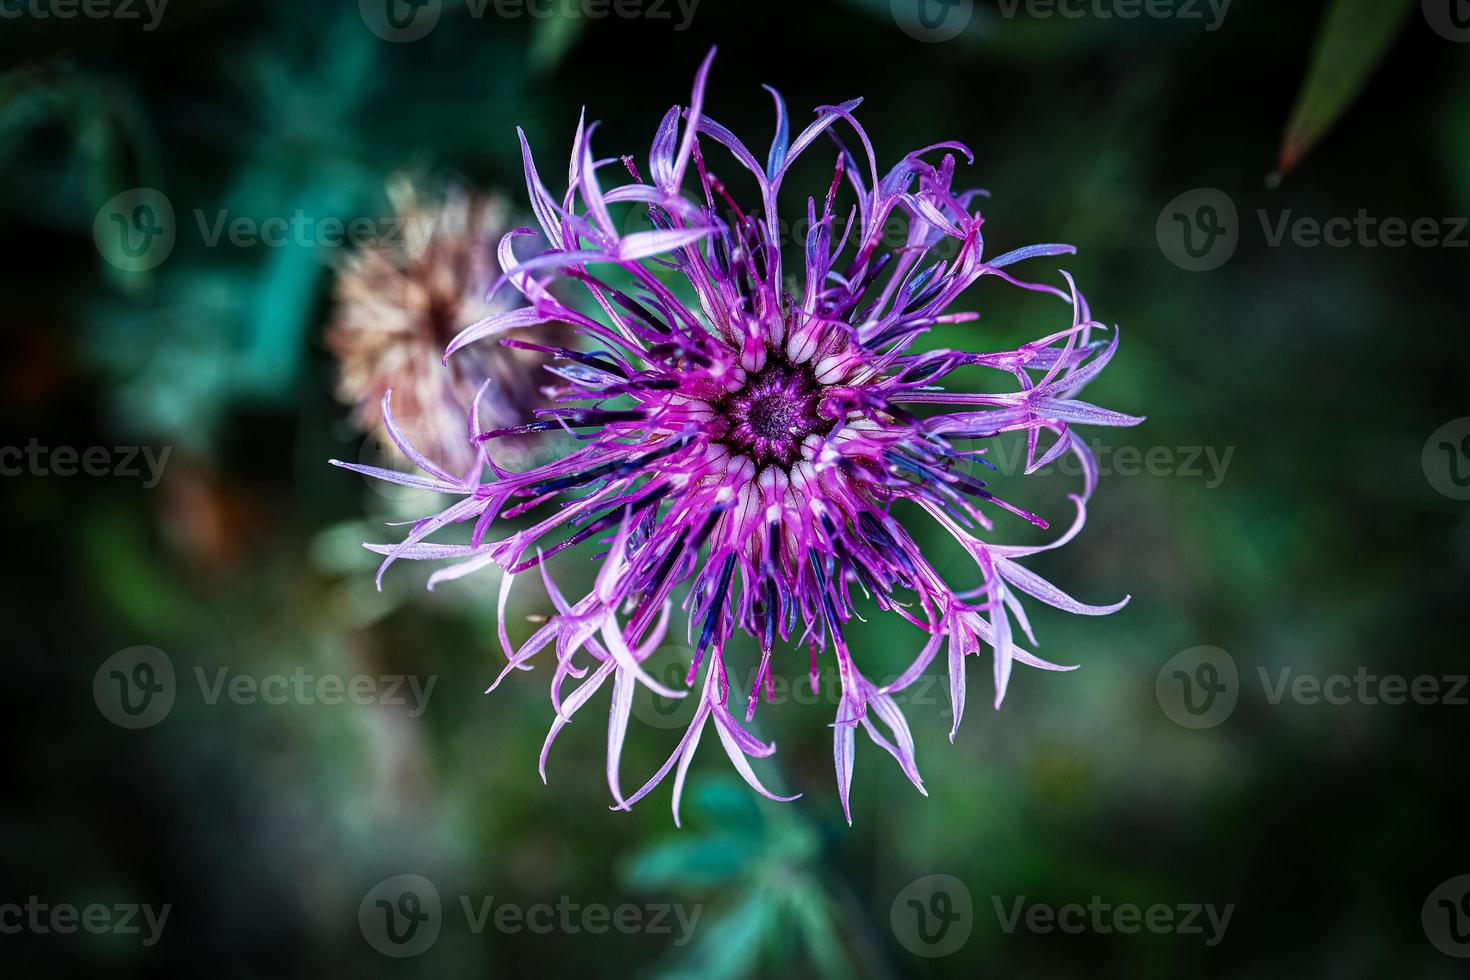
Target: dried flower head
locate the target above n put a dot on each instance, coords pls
(398, 302)
(749, 437)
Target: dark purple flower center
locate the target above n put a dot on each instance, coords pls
(772, 414)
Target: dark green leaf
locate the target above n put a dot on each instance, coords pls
(1354, 39)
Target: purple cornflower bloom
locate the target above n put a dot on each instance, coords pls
(750, 443)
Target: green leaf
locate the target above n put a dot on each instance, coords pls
(729, 947)
(697, 863)
(822, 937)
(728, 804)
(554, 37)
(1353, 40)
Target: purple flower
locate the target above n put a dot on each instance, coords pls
(746, 431)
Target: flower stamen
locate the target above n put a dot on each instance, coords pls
(772, 413)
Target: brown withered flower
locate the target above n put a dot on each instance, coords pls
(397, 304)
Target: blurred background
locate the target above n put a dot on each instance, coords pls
(229, 749)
